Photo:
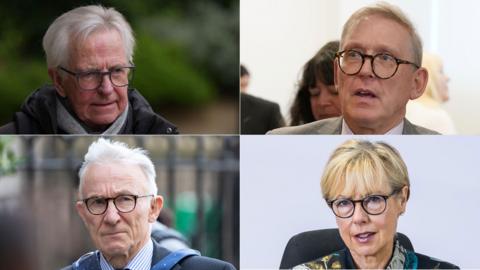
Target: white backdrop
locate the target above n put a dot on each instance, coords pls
(278, 36)
(280, 194)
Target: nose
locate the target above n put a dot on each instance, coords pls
(112, 216)
(106, 87)
(325, 98)
(359, 215)
(367, 67)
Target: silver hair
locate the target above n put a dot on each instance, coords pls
(390, 12)
(77, 25)
(107, 151)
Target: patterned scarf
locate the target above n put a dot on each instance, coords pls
(401, 259)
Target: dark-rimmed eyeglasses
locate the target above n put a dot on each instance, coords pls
(372, 204)
(123, 203)
(384, 65)
(91, 80)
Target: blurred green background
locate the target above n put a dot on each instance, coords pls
(187, 57)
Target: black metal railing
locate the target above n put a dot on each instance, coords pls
(207, 166)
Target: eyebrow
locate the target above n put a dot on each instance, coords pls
(116, 193)
(380, 48)
(95, 69)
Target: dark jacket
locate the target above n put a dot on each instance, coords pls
(190, 263)
(259, 115)
(342, 259)
(38, 116)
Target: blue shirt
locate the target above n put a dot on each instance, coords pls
(141, 261)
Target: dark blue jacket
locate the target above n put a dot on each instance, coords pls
(190, 263)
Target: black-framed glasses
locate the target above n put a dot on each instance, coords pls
(123, 203)
(384, 65)
(372, 204)
(91, 80)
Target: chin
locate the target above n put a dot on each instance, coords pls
(114, 248)
(369, 250)
(105, 120)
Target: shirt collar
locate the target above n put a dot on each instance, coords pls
(397, 130)
(141, 261)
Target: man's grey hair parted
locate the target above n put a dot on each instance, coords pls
(76, 25)
(107, 151)
(391, 12)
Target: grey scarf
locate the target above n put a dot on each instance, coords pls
(70, 125)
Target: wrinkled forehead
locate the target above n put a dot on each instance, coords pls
(102, 42)
(119, 177)
(385, 34)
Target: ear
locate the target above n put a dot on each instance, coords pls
(57, 81)
(155, 208)
(403, 197)
(419, 83)
(80, 207)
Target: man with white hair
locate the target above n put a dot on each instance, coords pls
(118, 203)
(89, 52)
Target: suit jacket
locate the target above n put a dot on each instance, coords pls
(190, 263)
(259, 115)
(333, 126)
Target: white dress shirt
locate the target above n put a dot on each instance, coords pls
(397, 130)
(141, 261)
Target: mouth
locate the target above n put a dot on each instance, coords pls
(109, 234)
(364, 237)
(365, 93)
(104, 104)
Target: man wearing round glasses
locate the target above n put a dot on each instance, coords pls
(377, 71)
(89, 52)
(118, 204)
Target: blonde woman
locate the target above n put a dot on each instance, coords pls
(427, 111)
(367, 187)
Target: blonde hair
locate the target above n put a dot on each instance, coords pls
(391, 12)
(432, 63)
(359, 166)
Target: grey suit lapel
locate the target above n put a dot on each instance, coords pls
(332, 126)
(337, 125)
(408, 127)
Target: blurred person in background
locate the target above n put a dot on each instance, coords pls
(165, 235)
(258, 115)
(427, 110)
(17, 241)
(317, 97)
(118, 203)
(89, 53)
